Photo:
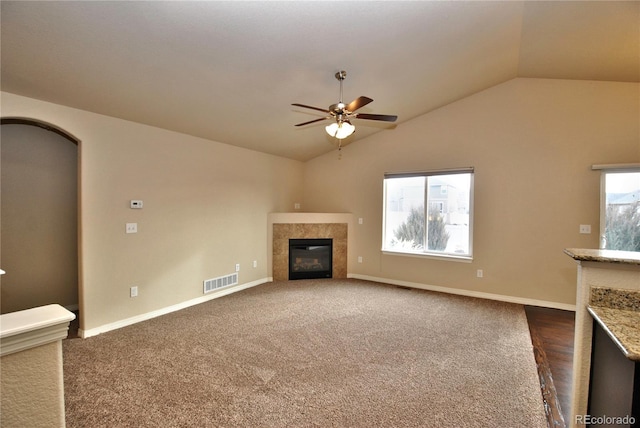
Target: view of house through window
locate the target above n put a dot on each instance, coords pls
(620, 211)
(428, 213)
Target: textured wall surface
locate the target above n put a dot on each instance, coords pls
(32, 388)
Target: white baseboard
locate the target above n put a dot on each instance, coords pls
(149, 315)
(468, 293)
(224, 292)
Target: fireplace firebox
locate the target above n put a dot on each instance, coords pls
(310, 258)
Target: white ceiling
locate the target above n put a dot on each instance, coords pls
(229, 71)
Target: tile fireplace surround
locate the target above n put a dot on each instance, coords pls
(285, 226)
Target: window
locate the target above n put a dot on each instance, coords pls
(620, 209)
(429, 213)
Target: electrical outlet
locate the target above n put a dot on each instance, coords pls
(131, 228)
(237, 267)
(133, 292)
(585, 229)
(360, 220)
(359, 259)
(480, 273)
(255, 263)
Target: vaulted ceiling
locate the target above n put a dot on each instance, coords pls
(229, 71)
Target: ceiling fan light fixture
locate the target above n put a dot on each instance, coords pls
(340, 130)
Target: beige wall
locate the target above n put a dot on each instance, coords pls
(39, 218)
(205, 209)
(532, 143)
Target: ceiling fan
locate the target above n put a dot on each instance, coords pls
(342, 113)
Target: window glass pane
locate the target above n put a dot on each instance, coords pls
(404, 213)
(448, 215)
(622, 211)
(428, 214)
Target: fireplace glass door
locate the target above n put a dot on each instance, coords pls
(310, 258)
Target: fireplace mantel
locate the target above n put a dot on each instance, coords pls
(308, 225)
(299, 217)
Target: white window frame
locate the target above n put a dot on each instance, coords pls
(468, 258)
(604, 170)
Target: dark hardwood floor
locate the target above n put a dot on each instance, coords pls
(552, 338)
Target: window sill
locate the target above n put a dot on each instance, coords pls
(433, 256)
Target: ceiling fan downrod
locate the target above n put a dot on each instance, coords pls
(339, 107)
(341, 75)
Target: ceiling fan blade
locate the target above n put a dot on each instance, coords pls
(314, 108)
(358, 103)
(312, 121)
(384, 117)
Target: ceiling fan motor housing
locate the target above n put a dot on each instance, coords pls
(338, 109)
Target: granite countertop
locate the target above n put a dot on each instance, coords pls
(618, 312)
(604, 256)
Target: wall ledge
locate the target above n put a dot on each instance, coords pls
(34, 327)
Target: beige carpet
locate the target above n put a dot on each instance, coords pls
(312, 353)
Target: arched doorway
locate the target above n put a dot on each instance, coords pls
(39, 215)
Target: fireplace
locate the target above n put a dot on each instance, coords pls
(310, 258)
(285, 226)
